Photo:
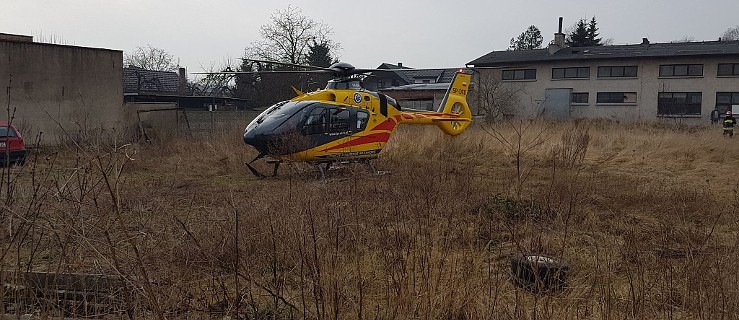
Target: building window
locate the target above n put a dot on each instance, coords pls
(571, 73)
(579, 97)
(724, 101)
(617, 72)
(519, 74)
(679, 103)
(616, 97)
(728, 69)
(681, 70)
(380, 84)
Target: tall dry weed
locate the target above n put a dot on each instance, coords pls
(195, 235)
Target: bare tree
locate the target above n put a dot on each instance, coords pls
(730, 34)
(685, 39)
(497, 99)
(151, 58)
(288, 37)
(215, 84)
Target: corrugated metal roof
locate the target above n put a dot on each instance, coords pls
(634, 51)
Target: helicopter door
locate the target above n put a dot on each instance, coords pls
(339, 120)
(317, 121)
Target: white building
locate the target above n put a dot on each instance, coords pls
(640, 82)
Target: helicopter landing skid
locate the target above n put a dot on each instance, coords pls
(375, 171)
(259, 174)
(324, 167)
(322, 170)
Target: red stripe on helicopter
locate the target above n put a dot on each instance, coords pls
(371, 138)
(388, 124)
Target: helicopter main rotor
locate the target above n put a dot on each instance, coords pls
(339, 70)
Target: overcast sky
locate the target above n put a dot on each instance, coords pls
(418, 33)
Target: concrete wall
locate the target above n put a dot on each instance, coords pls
(57, 88)
(648, 84)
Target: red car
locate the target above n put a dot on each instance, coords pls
(12, 148)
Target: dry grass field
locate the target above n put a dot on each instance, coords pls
(645, 215)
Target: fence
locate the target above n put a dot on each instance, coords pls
(67, 294)
(160, 124)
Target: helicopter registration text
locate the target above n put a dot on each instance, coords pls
(459, 91)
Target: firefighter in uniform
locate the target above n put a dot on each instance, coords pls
(729, 123)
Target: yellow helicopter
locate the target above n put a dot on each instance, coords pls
(344, 122)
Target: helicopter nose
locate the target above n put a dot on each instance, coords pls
(255, 139)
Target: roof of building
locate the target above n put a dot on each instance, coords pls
(137, 79)
(23, 40)
(632, 51)
(391, 66)
(409, 75)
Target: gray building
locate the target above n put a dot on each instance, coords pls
(65, 92)
(639, 82)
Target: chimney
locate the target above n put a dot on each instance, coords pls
(400, 65)
(560, 25)
(559, 39)
(644, 41)
(183, 82)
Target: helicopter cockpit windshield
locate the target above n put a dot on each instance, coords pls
(277, 114)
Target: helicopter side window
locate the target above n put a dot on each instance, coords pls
(339, 119)
(362, 119)
(317, 121)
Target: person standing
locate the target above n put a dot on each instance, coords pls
(729, 123)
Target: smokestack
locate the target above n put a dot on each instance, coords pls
(560, 25)
(559, 39)
(400, 65)
(644, 41)
(182, 82)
